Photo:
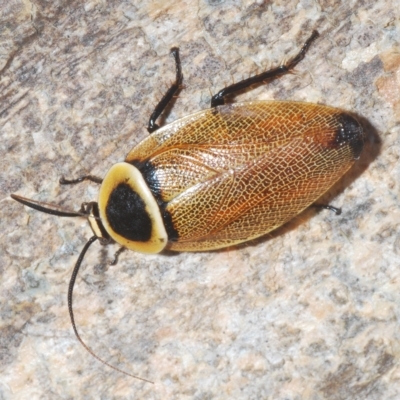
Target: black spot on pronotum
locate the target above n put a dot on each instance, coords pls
(350, 133)
(127, 215)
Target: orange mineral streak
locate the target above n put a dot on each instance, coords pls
(236, 172)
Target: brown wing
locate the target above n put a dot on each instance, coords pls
(235, 173)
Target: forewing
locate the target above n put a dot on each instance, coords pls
(198, 147)
(243, 204)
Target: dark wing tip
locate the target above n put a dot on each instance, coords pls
(351, 133)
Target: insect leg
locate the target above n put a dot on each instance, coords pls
(160, 107)
(92, 178)
(116, 255)
(273, 73)
(336, 210)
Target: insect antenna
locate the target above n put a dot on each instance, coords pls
(71, 312)
(48, 208)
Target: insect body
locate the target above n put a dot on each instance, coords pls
(221, 176)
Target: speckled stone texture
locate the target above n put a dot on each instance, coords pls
(309, 312)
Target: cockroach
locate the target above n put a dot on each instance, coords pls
(218, 177)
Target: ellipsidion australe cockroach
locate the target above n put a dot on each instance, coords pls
(218, 177)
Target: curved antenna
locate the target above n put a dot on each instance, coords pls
(71, 312)
(47, 208)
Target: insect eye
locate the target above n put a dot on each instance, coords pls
(127, 215)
